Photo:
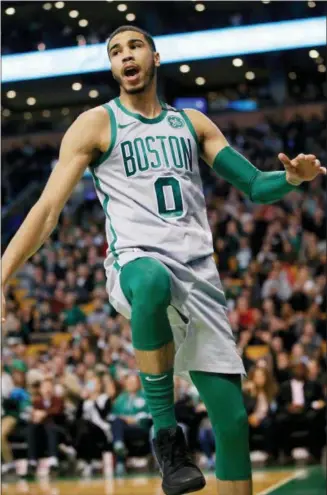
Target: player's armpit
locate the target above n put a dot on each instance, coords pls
(211, 139)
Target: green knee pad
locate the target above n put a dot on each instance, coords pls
(145, 283)
(222, 395)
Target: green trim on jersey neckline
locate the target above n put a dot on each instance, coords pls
(105, 208)
(113, 136)
(140, 117)
(191, 129)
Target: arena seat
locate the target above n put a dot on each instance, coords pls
(87, 308)
(36, 348)
(255, 352)
(58, 338)
(28, 302)
(14, 282)
(20, 294)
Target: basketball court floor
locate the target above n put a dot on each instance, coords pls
(300, 481)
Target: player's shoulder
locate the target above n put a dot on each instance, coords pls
(194, 114)
(97, 115)
(91, 127)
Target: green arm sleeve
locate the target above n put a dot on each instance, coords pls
(261, 187)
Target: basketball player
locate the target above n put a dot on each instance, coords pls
(144, 158)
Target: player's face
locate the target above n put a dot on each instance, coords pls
(133, 63)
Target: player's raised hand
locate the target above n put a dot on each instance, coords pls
(302, 168)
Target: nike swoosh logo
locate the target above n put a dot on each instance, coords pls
(122, 126)
(155, 379)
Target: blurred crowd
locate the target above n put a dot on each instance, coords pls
(83, 386)
(51, 28)
(308, 89)
(24, 165)
(234, 98)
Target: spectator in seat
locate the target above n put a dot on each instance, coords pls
(45, 319)
(310, 340)
(71, 280)
(7, 383)
(99, 278)
(244, 255)
(15, 407)
(67, 383)
(301, 406)
(93, 432)
(206, 436)
(51, 282)
(259, 395)
(84, 278)
(282, 370)
(315, 373)
(130, 419)
(47, 413)
(80, 371)
(266, 257)
(297, 354)
(109, 385)
(72, 314)
(189, 411)
(98, 314)
(246, 314)
(89, 360)
(57, 302)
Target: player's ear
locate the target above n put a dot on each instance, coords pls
(156, 59)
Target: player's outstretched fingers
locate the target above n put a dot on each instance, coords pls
(284, 158)
(288, 164)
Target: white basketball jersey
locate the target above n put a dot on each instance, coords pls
(150, 187)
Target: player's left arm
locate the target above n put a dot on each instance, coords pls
(261, 187)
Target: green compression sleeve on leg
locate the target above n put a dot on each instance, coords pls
(261, 187)
(159, 392)
(146, 285)
(222, 395)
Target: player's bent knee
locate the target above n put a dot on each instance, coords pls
(146, 285)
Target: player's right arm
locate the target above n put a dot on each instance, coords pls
(84, 141)
(261, 187)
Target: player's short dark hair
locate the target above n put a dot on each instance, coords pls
(128, 27)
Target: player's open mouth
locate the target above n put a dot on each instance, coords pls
(131, 73)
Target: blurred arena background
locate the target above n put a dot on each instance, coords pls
(260, 74)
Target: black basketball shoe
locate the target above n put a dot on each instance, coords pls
(179, 474)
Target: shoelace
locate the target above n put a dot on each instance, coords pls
(175, 452)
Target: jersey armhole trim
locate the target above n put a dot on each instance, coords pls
(105, 204)
(191, 129)
(113, 136)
